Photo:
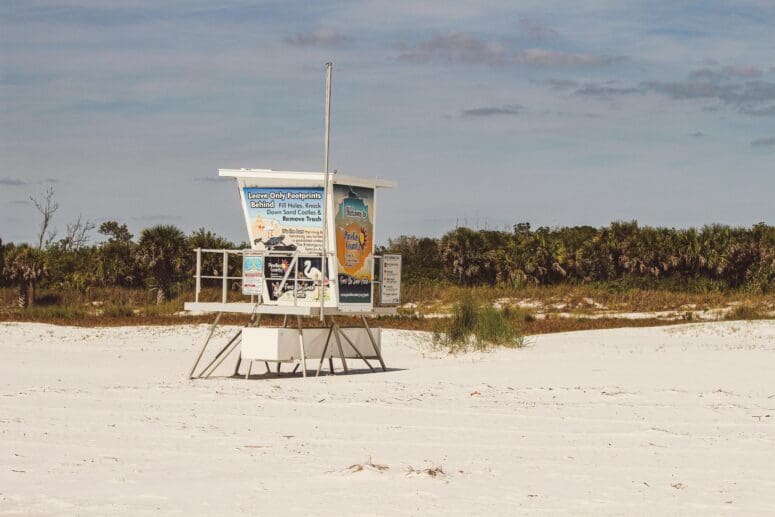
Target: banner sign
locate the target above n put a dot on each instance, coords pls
(252, 273)
(390, 280)
(354, 220)
(284, 218)
(303, 285)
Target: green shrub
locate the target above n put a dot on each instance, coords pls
(478, 326)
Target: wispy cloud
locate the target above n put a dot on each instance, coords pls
(19, 202)
(536, 31)
(317, 37)
(12, 182)
(557, 84)
(492, 111)
(726, 72)
(461, 47)
(596, 90)
(698, 134)
(764, 142)
(748, 97)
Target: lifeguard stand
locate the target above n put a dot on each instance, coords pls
(311, 256)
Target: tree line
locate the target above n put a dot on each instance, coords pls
(161, 257)
(712, 257)
(717, 256)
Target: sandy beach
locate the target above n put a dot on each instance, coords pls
(671, 420)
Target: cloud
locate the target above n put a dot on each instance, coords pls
(461, 47)
(19, 202)
(594, 90)
(764, 142)
(698, 134)
(536, 31)
(726, 73)
(749, 98)
(318, 37)
(12, 182)
(558, 84)
(766, 111)
(490, 111)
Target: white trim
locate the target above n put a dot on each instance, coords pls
(298, 310)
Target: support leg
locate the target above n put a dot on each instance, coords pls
(231, 345)
(325, 349)
(331, 364)
(250, 367)
(204, 345)
(268, 370)
(377, 350)
(236, 368)
(301, 348)
(339, 345)
(357, 352)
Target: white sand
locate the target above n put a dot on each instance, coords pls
(629, 421)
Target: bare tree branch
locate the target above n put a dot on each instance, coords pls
(77, 233)
(47, 207)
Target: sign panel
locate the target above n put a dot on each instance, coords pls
(252, 273)
(390, 278)
(354, 221)
(303, 285)
(284, 218)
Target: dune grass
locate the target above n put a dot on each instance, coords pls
(477, 326)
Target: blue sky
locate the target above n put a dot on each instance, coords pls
(486, 113)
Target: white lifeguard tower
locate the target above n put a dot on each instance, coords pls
(311, 256)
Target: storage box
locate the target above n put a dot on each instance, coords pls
(282, 344)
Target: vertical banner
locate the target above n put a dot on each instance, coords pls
(354, 220)
(390, 280)
(252, 273)
(284, 218)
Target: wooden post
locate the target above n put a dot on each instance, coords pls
(377, 350)
(204, 345)
(339, 345)
(301, 348)
(357, 352)
(250, 367)
(198, 274)
(325, 349)
(220, 353)
(225, 287)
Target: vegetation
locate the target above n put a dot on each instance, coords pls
(712, 258)
(477, 326)
(491, 285)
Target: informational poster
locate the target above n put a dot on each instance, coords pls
(252, 273)
(354, 229)
(390, 278)
(284, 218)
(302, 285)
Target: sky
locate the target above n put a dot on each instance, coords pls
(486, 113)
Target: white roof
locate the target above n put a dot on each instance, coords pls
(295, 178)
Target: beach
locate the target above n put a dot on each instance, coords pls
(646, 421)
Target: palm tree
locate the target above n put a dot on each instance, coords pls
(25, 266)
(163, 255)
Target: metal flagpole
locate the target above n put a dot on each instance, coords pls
(329, 67)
